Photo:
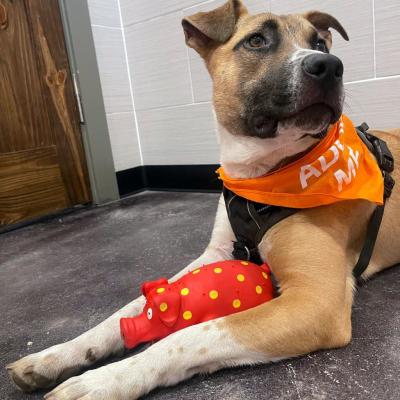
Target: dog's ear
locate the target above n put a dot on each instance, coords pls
(323, 22)
(206, 30)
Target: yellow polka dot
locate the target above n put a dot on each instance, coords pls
(217, 270)
(265, 275)
(240, 278)
(259, 289)
(160, 290)
(185, 291)
(187, 315)
(196, 271)
(244, 263)
(213, 294)
(236, 303)
(163, 307)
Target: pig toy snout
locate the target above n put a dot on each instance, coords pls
(128, 332)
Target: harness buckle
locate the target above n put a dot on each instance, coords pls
(241, 251)
(389, 184)
(364, 127)
(382, 153)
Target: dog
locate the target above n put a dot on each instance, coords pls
(272, 107)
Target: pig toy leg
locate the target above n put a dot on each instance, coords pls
(57, 363)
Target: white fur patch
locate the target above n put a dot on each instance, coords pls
(301, 53)
(202, 348)
(250, 157)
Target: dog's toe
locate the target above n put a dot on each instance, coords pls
(22, 382)
(110, 382)
(76, 389)
(37, 371)
(26, 378)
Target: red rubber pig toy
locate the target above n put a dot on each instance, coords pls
(209, 292)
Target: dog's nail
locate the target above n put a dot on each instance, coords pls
(9, 367)
(28, 370)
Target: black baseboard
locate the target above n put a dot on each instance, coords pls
(195, 178)
(131, 181)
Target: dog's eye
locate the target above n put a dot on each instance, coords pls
(321, 46)
(256, 42)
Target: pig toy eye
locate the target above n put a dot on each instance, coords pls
(149, 313)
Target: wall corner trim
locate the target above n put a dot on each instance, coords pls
(83, 62)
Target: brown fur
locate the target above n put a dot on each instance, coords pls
(214, 36)
(312, 253)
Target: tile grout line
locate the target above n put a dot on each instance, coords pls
(175, 106)
(115, 28)
(154, 18)
(120, 112)
(175, 11)
(374, 35)
(189, 67)
(198, 4)
(130, 83)
(382, 78)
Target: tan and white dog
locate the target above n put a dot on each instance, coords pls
(271, 107)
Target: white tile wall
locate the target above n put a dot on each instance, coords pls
(113, 69)
(387, 37)
(141, 10)
(171, 89)
(158, 61)
(124, 140)
(104, 12)
(179, 135)
(376, 102)
(114, 76)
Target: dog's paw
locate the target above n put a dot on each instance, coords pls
(43, 370)
(105, 383)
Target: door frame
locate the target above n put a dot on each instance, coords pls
(95, 135)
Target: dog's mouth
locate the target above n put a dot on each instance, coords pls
(314, 120)
(265, 127)
(317, 136)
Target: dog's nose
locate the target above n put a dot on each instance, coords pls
(325, 68)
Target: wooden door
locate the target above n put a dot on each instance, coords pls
(42, 162)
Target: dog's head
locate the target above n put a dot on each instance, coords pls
(270, 73)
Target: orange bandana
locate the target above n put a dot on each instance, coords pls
(339, 168)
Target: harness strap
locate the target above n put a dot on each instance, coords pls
(369, 244)
(386, 163)
(250, 221)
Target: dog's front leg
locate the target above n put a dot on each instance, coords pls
(313, 312)
(204, 347)
(295, 323)
(57, 363)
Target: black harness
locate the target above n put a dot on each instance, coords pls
(250, 220)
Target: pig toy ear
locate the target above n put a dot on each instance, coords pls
(167, 307)
(147, 287)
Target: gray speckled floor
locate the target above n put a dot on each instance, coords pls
(61, 277)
